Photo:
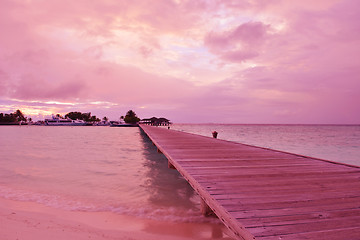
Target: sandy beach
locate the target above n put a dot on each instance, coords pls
(30, 221)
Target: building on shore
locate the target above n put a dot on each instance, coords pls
(154, 121)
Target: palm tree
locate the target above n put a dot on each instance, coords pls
(131, 117)
(19, 116)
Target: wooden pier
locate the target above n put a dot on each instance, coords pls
(265, 194)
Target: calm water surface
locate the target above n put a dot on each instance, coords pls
(119, 170)
(93, 169)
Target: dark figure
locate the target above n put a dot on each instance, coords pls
(214, 133)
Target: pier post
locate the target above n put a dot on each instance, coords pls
(205, 209)
(170, 165)
(214, 134)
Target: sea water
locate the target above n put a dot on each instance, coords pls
(93, 169)
(118, 170)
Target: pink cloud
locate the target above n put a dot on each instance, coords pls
(145, 51)
(281, 61)
(128, 85)
(4, 81)
(239, 44)
(247, 33)
(30, 88)
(238, 56)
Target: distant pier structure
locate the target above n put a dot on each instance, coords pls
(154, 121)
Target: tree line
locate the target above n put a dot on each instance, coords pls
(18, 117)
(15, 117)
(82, 116)
(130, 117)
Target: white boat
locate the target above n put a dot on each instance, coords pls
(103, 123)
(57, 121)
(122, 124)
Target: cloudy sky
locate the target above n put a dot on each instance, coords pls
(221, 61)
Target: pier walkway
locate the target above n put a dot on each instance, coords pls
(265, 194)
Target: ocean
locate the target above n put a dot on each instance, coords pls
(92, 169)
(118, 170)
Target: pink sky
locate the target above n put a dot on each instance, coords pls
(221, 61)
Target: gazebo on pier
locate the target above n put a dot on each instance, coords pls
(154, 121)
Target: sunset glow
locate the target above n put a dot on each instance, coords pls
(234, 61)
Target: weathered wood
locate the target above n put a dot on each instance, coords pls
(305, 227)
(334, 234)
(266, 194)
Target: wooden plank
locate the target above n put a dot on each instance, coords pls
(296, 196)
(352, 233)
(276, 212)
(328, 225)
(264, 193)
(279, 180)
(260, 169)
(307, 218)
(335, 187)
(317, 173)
(244, 163)
(266, 204)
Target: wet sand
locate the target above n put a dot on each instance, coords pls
(33, 221)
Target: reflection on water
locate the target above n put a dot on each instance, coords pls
(165, 186)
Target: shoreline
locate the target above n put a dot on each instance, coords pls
(30, 221)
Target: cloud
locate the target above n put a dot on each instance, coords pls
(129, 85)
(4, 81)
(145, 51)
(227, 61)
(30, 88)
(95, 52)
(239, 44)
(239, 56)
(249, 33)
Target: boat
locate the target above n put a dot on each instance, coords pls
(39, 123)
(122, 124)
(102, 123)
(57, 121)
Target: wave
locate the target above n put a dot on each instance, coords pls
(172, 214)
